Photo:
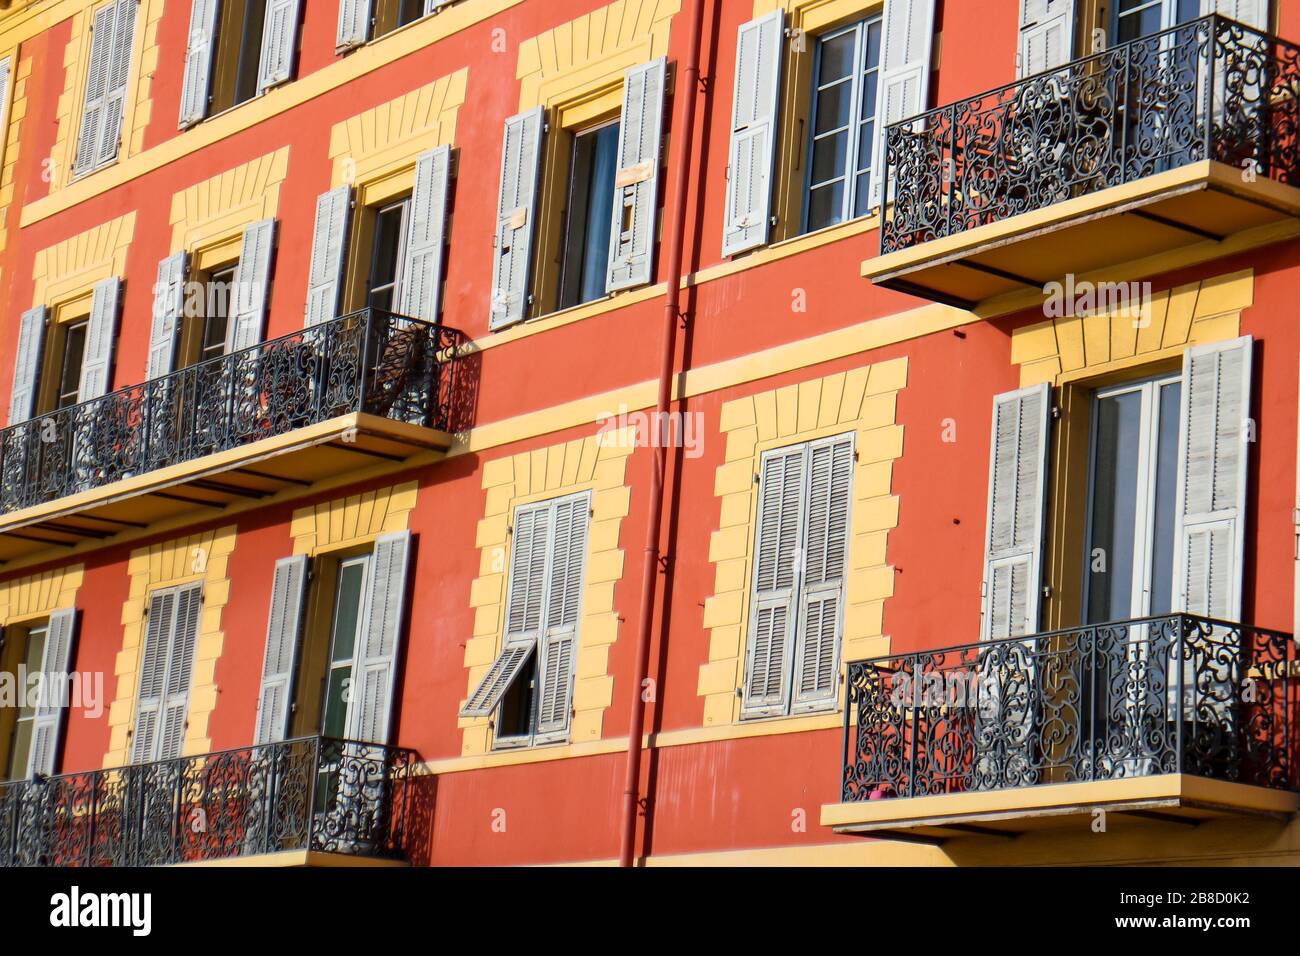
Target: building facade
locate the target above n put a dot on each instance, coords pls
(666, 431)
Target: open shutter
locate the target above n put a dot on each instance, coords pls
(904, 72)
(1210, 528)
(432, 6)
(47, 727)
(821, 601)
(279, 43)
(636, 185)
(328, 254)
(27, 364)
(521, 157)
(381, 639)
(1046, 36)
(252, 279)
(6, 81)
(180, 672)
(1253, 13)
(168, 307)
(196, 82)
(153, 675)
(1017, 492)
(563, 608)
(283, 631)
(93, 99)
(119, 69)
(776, 574)
(101, 333)
(422, 270)
(354, 24)
(754, 106)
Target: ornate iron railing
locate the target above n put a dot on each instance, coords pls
(1173, 694)
(1208, 89)
(368, 361)
(312, 793)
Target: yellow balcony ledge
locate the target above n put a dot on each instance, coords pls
(297, 858)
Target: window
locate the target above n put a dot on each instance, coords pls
(30, 658)
(238, 52)
(585, 251)
(797, 579)
(73, 352)
(211, 330)
(166, 670)
(100, 131)
(349, 612)
(360, 20)
(387, 255)
(529, 686)
(1140, 18)
(843, 125)
(31, 729)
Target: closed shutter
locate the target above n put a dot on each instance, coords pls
(328, 254)
(153, 675)
(180, 672)
(754, 106)
(119, 69)
(27, 364)
(636, 185)
(101, 333)
(47, 727)
(775, 582)
(1253, 13)
(904, 72)
(1046, 36)
(280, 661)
(422, 270)
(168, 307)
(521, 155)
(563, 608)
(354, 24)
(1210, 528)
(93, 102)
(1017, 492)
(196, 81)
(279, 43)
(821, 603)
(381, 639)
(252, 279)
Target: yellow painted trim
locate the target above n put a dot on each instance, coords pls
(353, 521)
(76, 58)
(215, 212)
(138, 108)
(295, 858)
(39, 595)
(71, 268)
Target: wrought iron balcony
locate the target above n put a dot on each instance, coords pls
(1208, 90)
(311, 794)
(1165, 695)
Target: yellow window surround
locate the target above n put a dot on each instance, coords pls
(208, 219)
(69, 269)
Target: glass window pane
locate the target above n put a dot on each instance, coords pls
(862, 195)
(868, 108)
(829, 157)
(21, 750)
(1162, 553)
(825, 205)
(347, 610)
(600, 210)
(386, 255)
(865, 133)
(336, 704)
(1114, 507)
(74, 352)
(33, 654)
(873, 43)
(836, 57)
(833, 107)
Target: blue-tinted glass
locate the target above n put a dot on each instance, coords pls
(600, 209)
(826, 205)
(828, 157)
(1114, 507)
(836, 58)
(833, 105)
(1162, 556)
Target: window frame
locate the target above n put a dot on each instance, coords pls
(375, 213)
(10, 662)
(366, 560)
(567, 246)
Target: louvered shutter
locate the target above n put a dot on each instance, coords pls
(636, 185)
(27, 364)
(252, 279)
(1253, 13)
(1017, 492)
(153, 675)
(47, 727)
(563, 608)
(93, 101)
(521, 156)
(776, 573)
(529, 541)
(380, 641)
(279, 43)
(904, 72)
(1046, 35)
(821, 601)
(354, 24)
(101, 333)
(328, 254)
(168, 307)
(422, 270)
(196, 81)
(431, 6)
(280, 660)
(6, 79)
(754, 108)
(119, 70)
(180, 672)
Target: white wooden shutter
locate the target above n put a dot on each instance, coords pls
(432, 6)
(93, 101)
(47, 727)
(6, 83)
(422, 271)
(252, 279)
(279, 43)
(180, 672)
(1013, 551)
(159, 625)
(636, 185)
(825, 550)
(380, 641)
(777, 569)
(1210, 519)
(563, 608)
(196, 82)
(280, 661)
(754, 107)
(1253, 13)
(101, 333)
(328, 254)
(1046, 36)
(354, 24)
(521, 156)
(27, 364)
(119, 70)
(168, 307)
(904, 72)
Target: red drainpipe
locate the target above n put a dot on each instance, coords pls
(688, 83)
